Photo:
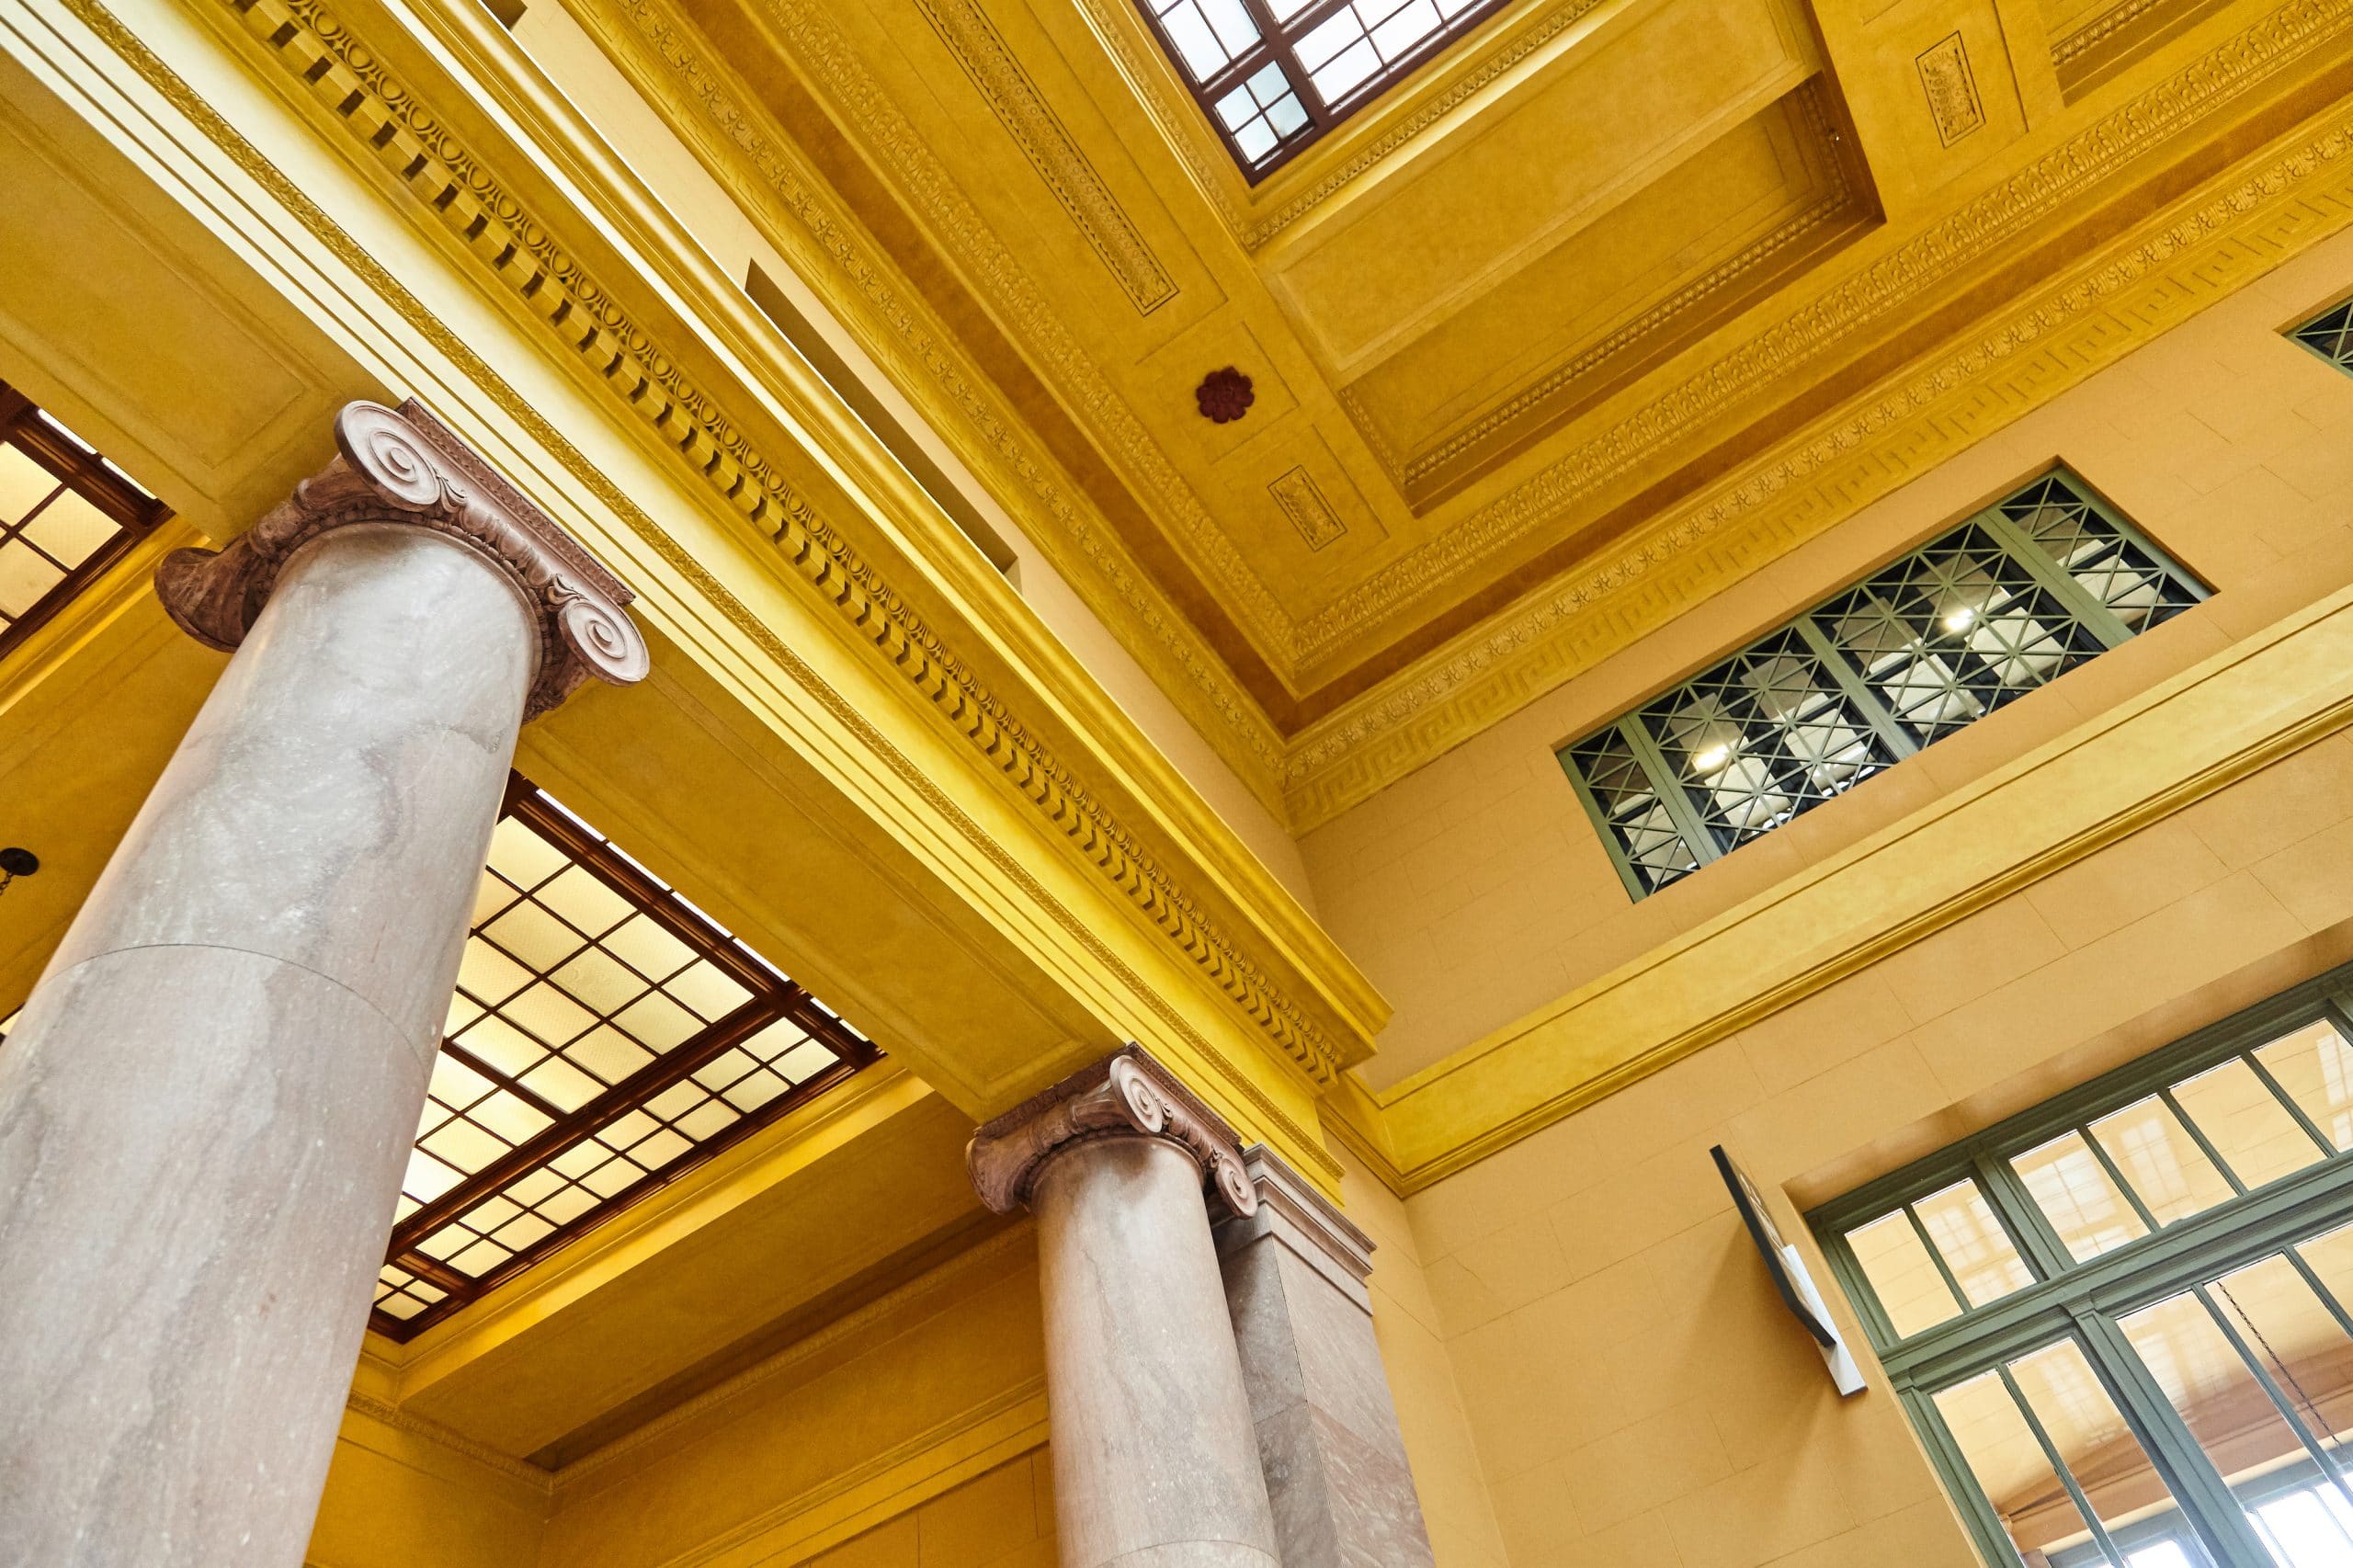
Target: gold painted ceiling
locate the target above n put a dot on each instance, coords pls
(1610, 300)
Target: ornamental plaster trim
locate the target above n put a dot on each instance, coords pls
(1842, 464)
(806, 29)
(739, 141)
(1037, 131)
(1836, 317)
(406, 469)
(1126, 1094)
(334, 84)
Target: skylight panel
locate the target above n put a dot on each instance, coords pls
(66, 515)
(606, 1036)
(1274, 75)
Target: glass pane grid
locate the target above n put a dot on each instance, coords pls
(2232, 1348)
(2004, 603)
(604, 1037)
(1273, 74)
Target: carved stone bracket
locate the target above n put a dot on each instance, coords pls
(1126, 1094)
(407, 469)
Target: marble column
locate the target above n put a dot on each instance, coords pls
(207, 1104)
(1328, 1442)
(1155, 1463)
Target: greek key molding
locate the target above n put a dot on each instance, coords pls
(1837, 466)
(1679, 414)
(993, 72)
(407, 469)
(392, 125)
(1126, 1094)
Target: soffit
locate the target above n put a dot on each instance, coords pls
(1594, 259)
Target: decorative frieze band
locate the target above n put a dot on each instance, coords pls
(407, 468)
(1126, 1094)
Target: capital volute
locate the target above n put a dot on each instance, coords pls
(405, 468)
(1127, 1095)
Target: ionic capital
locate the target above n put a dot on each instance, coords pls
(407, 469)
(1126, 1094)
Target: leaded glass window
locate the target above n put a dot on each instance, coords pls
(1274, 75)
(606, 1037)
(66, 515)
(2123, 1321)
(2019, 594)
(2330, 335)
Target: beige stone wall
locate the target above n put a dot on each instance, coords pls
(1631, 1389)
(1003, 1520)
(1476, 889)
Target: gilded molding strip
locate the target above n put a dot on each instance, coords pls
(457, 1442)
(991, 67)
(2053, 342)
(731, 126)
(2100, 28)
(486, 219)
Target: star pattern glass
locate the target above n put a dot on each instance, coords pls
(2330, 335)
(605, 1037)
(2006, 602)
(66, 513)
(1274, 75)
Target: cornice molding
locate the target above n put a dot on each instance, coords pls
(737, 139)
(1676, 415)
(405, 470)
(2288, 200)
(325, 70)
(805, 32)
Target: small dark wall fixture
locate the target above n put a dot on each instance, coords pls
(1224, 395)
(14, 863)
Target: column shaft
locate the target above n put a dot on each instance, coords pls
(1155, 1463)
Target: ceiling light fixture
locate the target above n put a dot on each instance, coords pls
(1712, 758)
(1961, 620)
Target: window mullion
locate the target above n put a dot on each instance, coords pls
(2076, 599)
(2059, 1468)
(1960, 1483)
(2016, 1206)
(1277, 41)
(2273, 1392)
(2287, 1102)
(1936, 1255)
(1669, 790)
(1607, 830)
(2205, 1144)
(2115, 1173)
(2214, 1512)
(1857, 690)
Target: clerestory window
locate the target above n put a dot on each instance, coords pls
(2033, 586)
(2122, 1321)
(1274, 75)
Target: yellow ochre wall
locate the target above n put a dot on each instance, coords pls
(1632, 1391)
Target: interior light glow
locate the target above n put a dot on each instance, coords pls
(1712, 758)
(1961, 620)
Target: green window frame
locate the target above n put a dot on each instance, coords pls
(2045, 579)
(2062, 1302)
(2329, 335)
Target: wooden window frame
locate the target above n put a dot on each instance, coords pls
(82, 471)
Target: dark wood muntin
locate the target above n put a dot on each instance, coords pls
(1278, 44)
(773, 999)
(83, 472)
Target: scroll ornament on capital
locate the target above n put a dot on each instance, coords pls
(404, 467)
(1128, 1095)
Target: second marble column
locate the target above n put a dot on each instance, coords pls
(1155, 1458)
